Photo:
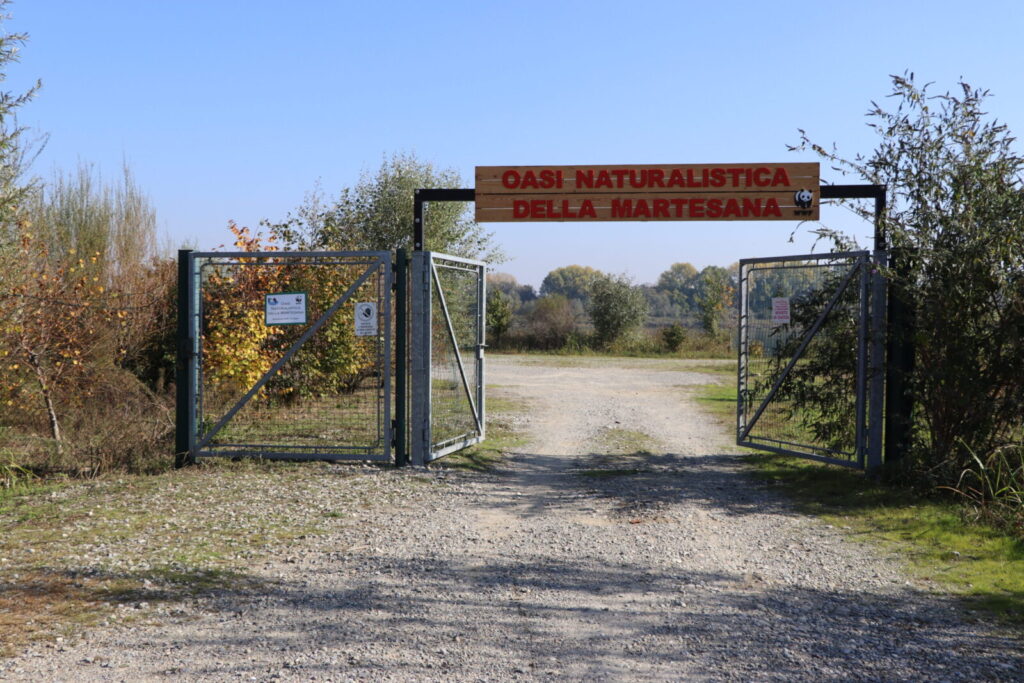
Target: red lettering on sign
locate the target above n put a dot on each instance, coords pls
(656, 177)
(751, 207)
(678, 203)
(732, 208)
(549, 179)
(520, 208)
(584, 179)
(676, 179)
(510, 179)
(771, 207)
(661, 208)
(761, 176)
(717, 177)
(638, 178)
(529, 180)
(735, 173)
(587, 209)
(603, 179)
(696, 208)
(641, 209)
(781, 177)
(622, 208)
(714, 208)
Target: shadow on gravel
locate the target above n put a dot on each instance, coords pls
(645, 482)
(588, 619)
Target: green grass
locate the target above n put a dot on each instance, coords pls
(930, 534)
(502, 437)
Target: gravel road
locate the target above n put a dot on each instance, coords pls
(565, 563)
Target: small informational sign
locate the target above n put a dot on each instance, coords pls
(780, 310)
(285, 308)
(366, 319)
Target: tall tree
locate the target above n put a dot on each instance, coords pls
(617, 308)
(376, 214)
(572, 282)
(955, 223)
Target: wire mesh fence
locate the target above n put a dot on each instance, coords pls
(455, 366)
(294, 355)
(802, 355)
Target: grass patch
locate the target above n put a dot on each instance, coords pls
(931, 534)
(79, 553)
(503, 435)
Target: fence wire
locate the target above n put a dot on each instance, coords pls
(328, 400)
(802, 345)
(455, 312)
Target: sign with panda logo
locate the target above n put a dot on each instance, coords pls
(366, 319)
(284, 308)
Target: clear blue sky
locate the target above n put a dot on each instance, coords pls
(233, 110)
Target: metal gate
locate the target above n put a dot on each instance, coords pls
(804, 345)
(448, 303)
(286, 355)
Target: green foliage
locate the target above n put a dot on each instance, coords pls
(84, 309)
(955, 220)
(617, 308)
(572, 282)
(714, 295)
(551, 322)
(679, 283)
(499, 315)
(15, 150)
(376, 214)
(673, 336)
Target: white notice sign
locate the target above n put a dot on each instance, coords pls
(780, 310)
(285, 308)
(366, 319)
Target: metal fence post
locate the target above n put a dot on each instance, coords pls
(419, 352)
(185, 368)
(401, 342)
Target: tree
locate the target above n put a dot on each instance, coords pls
(955, 223)
(551, 321)
(376, 214)
(714, 295)
(617, 307)
(679, 283)
(572, 282)
(499, 314)
(14, 150)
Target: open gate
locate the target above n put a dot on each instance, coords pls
(286, 355)
(804, 344)
(448, 302)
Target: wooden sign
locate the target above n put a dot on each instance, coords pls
(648, 192)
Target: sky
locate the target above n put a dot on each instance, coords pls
(231, 110)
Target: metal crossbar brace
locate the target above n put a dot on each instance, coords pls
(455, 346)
(803, 346)
(269, 374)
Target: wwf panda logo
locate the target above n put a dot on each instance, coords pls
(803, 198)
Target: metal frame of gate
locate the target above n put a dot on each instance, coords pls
(858, 275)
(433, 326)
(195, 437)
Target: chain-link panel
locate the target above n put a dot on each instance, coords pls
(293, 355)
(802, 356)
(448, 295)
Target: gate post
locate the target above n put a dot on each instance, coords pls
(401, 353)
(876, 371)
(419, 351)
(185, 368)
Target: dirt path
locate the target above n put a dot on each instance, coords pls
(569, 562)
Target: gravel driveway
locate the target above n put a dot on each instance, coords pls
(565, 563)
